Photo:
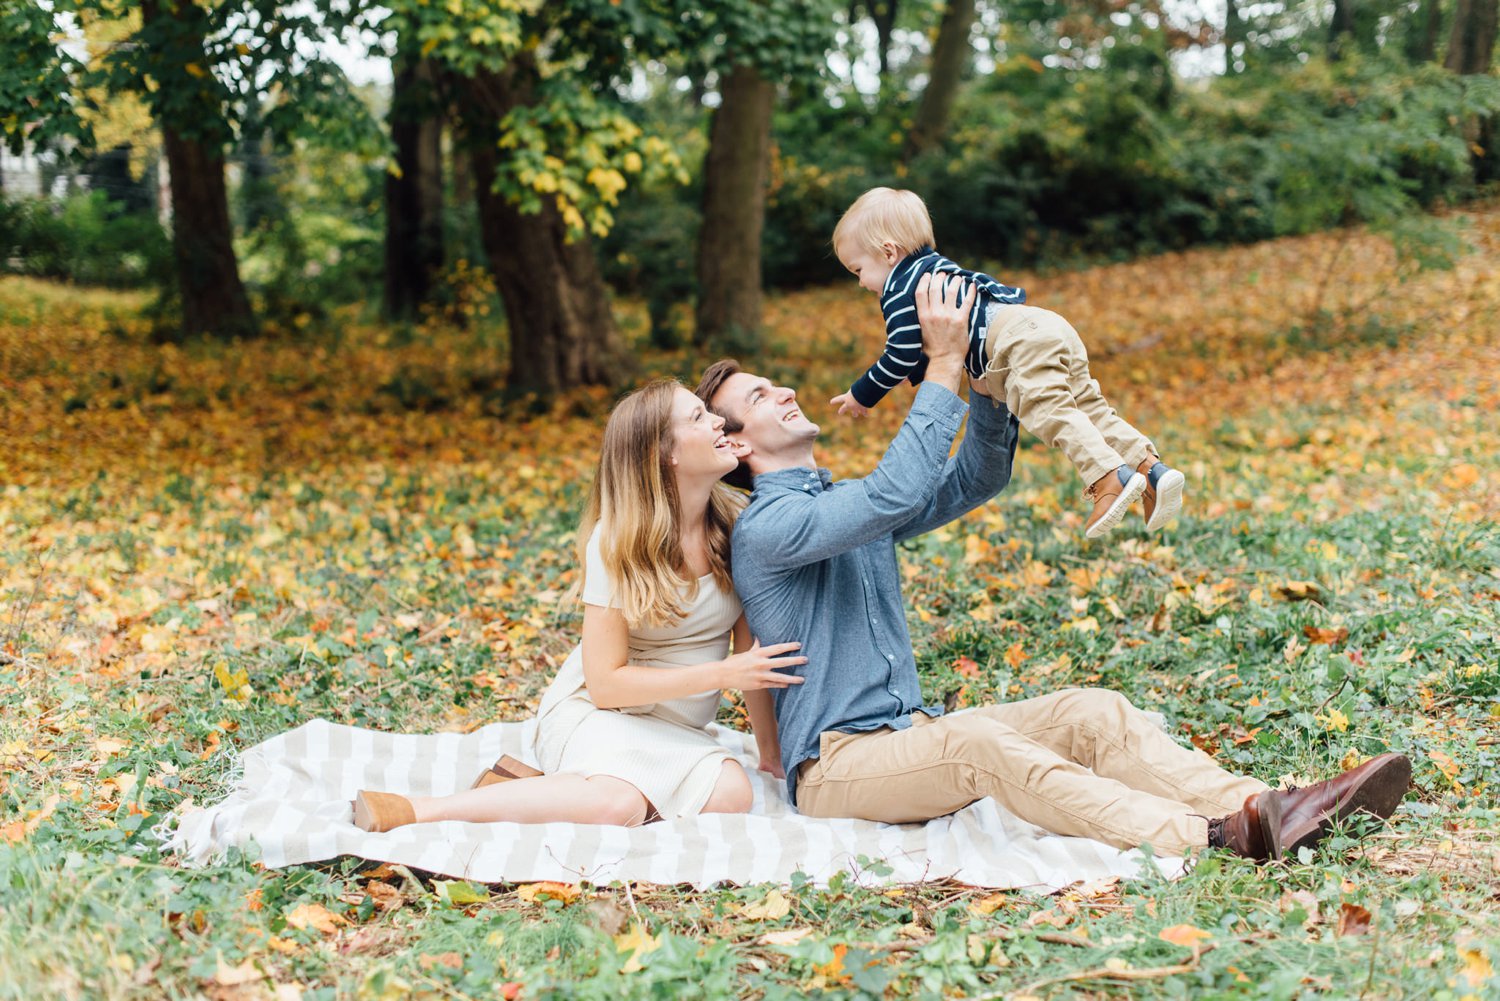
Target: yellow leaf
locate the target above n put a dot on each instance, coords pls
(1477, 968)
(233, 976)
(1088, 624)
(988, 905)
(1333, 720)
(314, 916)
(774, 906)
(536, 892)
(785, 936)
(1183, 935)
(638, 943)
(196, 70)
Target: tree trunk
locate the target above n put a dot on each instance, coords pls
(1234, 34)
(208, 277)
(950, 56)
(1471, 44)
(414, 192)
(883, 13)
(1341, 29)
(1471, 49)
(1421, 46)
(562, 333)
(736, 171)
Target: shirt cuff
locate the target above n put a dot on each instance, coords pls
(939, 403)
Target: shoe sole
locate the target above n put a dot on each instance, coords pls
(1377, 797)
(1168, 499)
(363, 818)
(1270, 826)
(504, 770)
(1115, 514)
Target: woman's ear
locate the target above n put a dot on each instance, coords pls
(739, 448)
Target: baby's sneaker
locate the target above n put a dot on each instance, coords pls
(1162, 499)
(1112, 494)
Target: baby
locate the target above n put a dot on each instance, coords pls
(1031, 358)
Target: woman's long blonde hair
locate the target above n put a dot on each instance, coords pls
(634, 503)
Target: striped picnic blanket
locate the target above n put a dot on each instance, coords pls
(292, 806)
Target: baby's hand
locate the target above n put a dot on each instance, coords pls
(847, 404)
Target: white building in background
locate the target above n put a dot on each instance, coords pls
(20, 176)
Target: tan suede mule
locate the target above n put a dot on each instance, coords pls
(378, 812)
(504, 770)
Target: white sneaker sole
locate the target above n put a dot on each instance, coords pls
(1116, 513)
(1168, 499)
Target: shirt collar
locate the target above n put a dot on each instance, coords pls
(798, 478)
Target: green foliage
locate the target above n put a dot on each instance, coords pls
(86, 239)
(36, 104)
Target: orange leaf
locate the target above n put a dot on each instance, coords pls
(1183, 935)
(1353, 919)
(966, 667)
(1329, 636)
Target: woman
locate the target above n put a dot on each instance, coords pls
(622, 730)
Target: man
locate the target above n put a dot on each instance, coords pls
(814, 561)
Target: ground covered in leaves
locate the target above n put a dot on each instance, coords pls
(201, 546)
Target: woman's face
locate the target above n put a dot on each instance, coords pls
(701, 448)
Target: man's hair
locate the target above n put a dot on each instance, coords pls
(885, 214)
(713, 380)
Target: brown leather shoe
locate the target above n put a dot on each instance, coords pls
(504, 770)
(1112, 497)
(378, 812)
(1374, 788)
(1254, 832)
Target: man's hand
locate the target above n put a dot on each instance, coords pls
(847, 404)
(943, 306)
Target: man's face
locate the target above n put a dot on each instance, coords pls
(772, 421)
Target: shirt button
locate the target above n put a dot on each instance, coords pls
(874, 622)
(890, 657)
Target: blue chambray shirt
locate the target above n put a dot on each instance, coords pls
(815, 561)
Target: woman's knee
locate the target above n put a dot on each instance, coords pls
(617, 803)
(732, 793)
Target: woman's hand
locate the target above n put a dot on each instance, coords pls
(762, 667)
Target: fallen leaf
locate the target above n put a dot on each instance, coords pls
(1184, 935)
(785, 936)
(774, 905)
(534, 893)
(232, 976)
(1477, 967)
(316, 917)
(1316, 635)
(988, 905)
(452, 960)
(1298, 590)
(638, 943)
(1353, 920)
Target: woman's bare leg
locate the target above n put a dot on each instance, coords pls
(570, 799)
(732, 793)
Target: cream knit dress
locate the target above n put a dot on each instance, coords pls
(663, 749)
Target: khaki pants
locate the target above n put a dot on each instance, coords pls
(1038, 366)
(1082, 761)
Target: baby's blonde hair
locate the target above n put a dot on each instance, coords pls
(886, 214)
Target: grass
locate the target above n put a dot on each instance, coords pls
(203, 545)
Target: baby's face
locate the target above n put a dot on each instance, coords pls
(871, 267)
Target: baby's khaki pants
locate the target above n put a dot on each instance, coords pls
(1082, 761)
(1038, 366)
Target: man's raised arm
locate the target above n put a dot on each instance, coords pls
(798, 528)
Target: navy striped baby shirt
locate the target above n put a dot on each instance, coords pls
(903, 357)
